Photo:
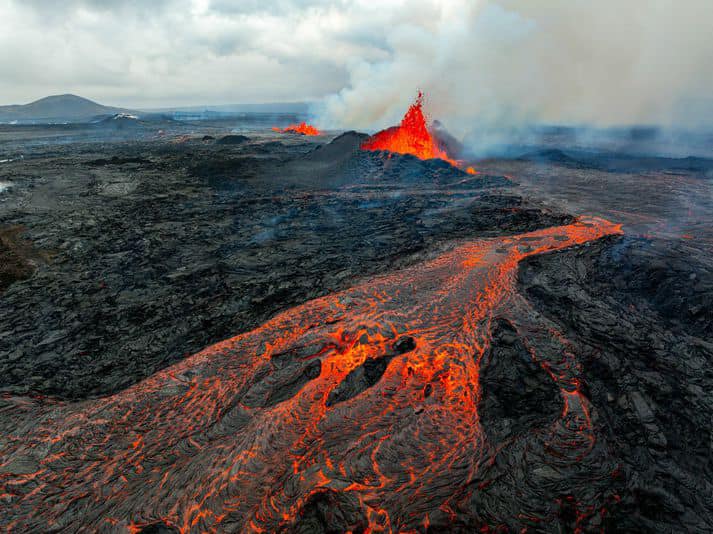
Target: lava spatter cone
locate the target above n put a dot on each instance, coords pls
(412, 136)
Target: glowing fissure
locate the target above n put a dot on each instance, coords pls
(301, 128)
(206, 446)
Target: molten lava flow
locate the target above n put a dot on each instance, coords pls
(364, 401)
(302, 128)
(412, 136)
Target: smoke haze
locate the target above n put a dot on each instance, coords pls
(505, 63)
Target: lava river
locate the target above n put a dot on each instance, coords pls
(361, 407)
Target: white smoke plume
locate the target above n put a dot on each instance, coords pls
(505, 63)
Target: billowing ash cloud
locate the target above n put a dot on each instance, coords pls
(509, 62)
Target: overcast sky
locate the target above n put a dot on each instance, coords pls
(171, 52)
(599, 61)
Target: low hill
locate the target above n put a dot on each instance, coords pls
(56, 108)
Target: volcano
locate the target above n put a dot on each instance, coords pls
(413, 136)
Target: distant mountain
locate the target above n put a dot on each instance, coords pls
(58, 108)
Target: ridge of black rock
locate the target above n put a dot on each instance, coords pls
(233, 139)
(517, 393)
(619, 162)
(635, 311)
(549, 155)
(329, 512)
(158, 528)
(368, 373)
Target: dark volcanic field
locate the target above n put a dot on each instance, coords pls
(146, 252)
(120, 257)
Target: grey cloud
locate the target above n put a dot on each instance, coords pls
(47, 7)
(163, 53)
(482, 62)
(275, 7)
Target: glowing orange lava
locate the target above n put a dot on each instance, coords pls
(412, 136)
(301, 128)
(243, 436)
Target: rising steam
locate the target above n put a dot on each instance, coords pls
(505, 63)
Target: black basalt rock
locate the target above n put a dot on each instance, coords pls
(517, 393)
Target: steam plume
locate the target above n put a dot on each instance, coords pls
(506, 63)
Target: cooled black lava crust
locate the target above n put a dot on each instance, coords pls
(155, 250)
(639, 314)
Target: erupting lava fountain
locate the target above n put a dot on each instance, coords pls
(412, 136)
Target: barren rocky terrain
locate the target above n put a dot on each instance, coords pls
(417, 348)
